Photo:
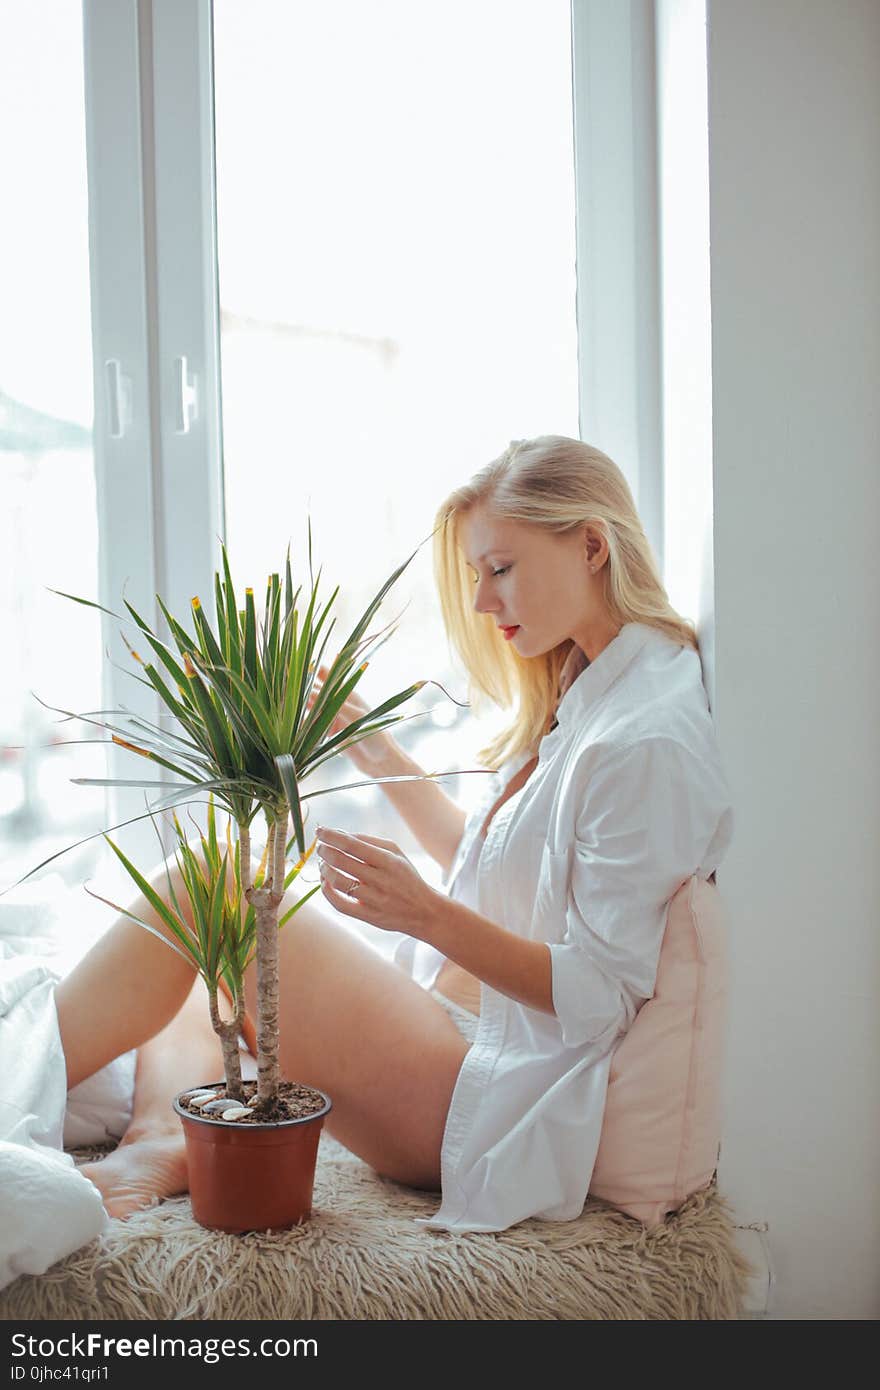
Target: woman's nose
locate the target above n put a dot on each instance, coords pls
(483, 600)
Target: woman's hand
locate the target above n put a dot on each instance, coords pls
(371, 754)
(373, 880)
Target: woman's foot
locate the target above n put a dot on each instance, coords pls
(139, 1170)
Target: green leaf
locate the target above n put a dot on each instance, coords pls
(250, 744)
(97, 834)
(287, 770)
(232, 623)
(288, 584)
(359, 726)
(409, 777)
(271, 624)
(250, 639)
(170, 701)
(361, 626)
(332, 697)
(88, 603)
(215, 727)
(163, 652)
(124, 912)
(259, 711)
(298, 904)
(184, 641)
(156, 902)
(211, 650)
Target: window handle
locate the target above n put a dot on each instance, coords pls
(119, 398)
(186, 396)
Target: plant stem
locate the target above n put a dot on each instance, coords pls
(228, 1035)
(244, 849)
(265, 902)
(279, 857)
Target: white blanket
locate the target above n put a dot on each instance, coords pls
(47, 1208)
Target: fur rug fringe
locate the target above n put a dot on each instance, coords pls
(361, 1257)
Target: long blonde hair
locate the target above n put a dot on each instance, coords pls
(559, 484)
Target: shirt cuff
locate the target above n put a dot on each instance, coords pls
(590, 1006)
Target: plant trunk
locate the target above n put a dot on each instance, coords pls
(228, 1035)
(266, 901)
(244, 852)
(278, 867)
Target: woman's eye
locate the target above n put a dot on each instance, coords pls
(495, 573)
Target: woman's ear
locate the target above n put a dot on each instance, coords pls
(595, 547)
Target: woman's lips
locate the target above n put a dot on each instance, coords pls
(507, 632)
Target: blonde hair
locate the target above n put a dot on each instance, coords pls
(559, 484)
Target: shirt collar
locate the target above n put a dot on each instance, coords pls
(592, 682)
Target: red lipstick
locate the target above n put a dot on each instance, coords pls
(507, 632)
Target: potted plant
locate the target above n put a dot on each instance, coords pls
(247, 732)
(247, 1170)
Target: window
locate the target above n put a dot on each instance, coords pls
(337, 257)
(48, 521)
(396, 251)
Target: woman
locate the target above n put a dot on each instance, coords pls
(476, 1062)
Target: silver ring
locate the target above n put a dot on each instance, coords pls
(355, 883)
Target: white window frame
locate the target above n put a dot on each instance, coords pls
(618, 261)
(178, 107)
(125, 482)
(152, 252)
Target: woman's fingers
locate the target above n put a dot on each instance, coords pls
(376, 840)
(341, 876)
(351, 845)
(342, 901)
(339, 860)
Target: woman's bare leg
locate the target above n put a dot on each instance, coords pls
(122, 993)
(131, 990)
(186, 1053)
(150, 1160)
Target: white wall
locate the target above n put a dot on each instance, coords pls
(794, 176)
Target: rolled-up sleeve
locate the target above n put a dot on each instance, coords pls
(650, 813)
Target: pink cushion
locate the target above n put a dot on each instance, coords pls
(662, 1125)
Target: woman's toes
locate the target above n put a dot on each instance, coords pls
(135, 1174)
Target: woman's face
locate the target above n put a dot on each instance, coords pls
(526, 577)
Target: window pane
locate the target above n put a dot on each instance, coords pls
(48, 529)
(396, 248)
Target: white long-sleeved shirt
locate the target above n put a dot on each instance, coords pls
(628, 801)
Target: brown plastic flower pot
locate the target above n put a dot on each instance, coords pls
(251, 1177)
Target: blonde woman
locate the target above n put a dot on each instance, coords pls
(475, 1064)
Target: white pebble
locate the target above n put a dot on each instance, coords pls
(254, 1098)
(201, 1100)
(235, 1112)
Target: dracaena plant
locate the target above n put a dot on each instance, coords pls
(247, 732)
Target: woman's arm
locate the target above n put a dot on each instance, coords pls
(504, 960)
(391, 894)
(433, 817)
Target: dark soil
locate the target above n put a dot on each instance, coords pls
(293, 1102)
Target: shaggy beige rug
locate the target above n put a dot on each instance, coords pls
(361, 1257)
